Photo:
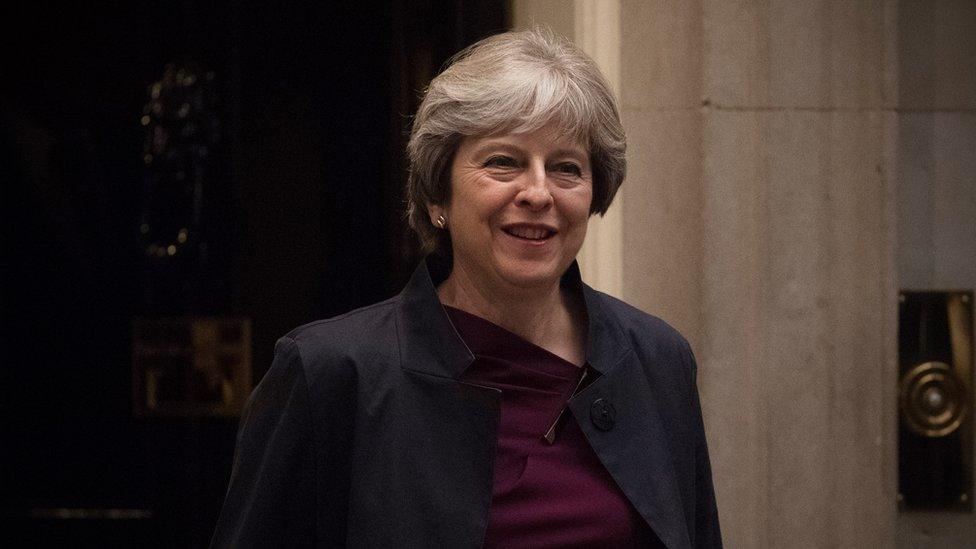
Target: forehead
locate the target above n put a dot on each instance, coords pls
(548, 138)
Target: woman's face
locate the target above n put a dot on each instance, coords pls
(519, 207)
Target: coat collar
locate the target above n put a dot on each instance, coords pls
(428, 341)
(430, 344)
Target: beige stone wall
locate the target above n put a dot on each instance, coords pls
(797, 275)
(759, 219)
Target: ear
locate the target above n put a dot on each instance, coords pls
(436, 210)
(437, 215)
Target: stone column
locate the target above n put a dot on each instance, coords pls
(798, 285)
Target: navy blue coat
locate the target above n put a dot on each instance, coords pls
(361, 435)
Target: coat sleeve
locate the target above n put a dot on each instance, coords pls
(707, 533)
(271, 500)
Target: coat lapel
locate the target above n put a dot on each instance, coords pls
(428, 341)
(618, 414)
(447, 428)
(631, 443)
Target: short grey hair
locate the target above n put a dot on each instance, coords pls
(514, 82)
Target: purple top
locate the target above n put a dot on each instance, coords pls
(543, 495)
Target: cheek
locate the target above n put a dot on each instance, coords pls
(580, 227)
(583, 209)
(577, 207)
(473, 212)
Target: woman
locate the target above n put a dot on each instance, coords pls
(497, 401)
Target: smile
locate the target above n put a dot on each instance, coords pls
(529, 232)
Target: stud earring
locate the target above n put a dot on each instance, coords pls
(441, 222)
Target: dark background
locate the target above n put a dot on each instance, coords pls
(304, 220)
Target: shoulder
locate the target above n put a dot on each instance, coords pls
(345, 329)
(638, 325)
(336, 348)
(658, 344)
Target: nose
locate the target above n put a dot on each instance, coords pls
(535, 193)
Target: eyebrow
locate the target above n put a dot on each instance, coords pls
(575, 153)
(578, 154)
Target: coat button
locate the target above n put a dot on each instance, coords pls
(602, 414)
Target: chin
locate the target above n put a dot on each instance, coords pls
(527, 274)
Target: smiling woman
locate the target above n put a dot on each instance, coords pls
(517, 215)
(497, 401)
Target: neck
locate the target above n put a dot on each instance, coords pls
(546, 316)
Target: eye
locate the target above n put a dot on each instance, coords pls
(569, 168)
(500, 161)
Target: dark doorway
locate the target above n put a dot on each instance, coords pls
(304, 222)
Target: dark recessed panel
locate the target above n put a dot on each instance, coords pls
(935, 401)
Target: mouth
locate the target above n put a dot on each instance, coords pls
(530, 232)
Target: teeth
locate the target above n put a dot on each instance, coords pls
(532, 234)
